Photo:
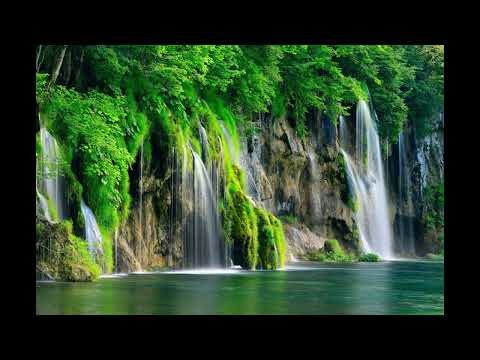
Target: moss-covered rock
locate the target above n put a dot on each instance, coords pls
(332, 252)
(267, 250)
(256, 235)
(244, 232)
(63, 255)
(370, 257)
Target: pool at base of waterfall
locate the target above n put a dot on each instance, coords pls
(390, 287)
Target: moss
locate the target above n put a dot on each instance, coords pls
(267, 251)
(256, 235)
(52, 209)
(289, 219)
(279, 238)
(332, 252)
(434, 257)
(38, 144)
(107, 247)
(77, 264)
(243, 223)
(62, 254)
(370, 257)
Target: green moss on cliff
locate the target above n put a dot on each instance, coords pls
(279, 238)
(62, 254)
(332, 252)
(267, 250)
(244, 231)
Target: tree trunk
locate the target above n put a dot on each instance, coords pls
(68, 69)
(57, 66)
(37, 61)
(77, 73)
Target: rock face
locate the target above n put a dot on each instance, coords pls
(142, 241)
(60, 255)
(300, 178)
(424, 160)
(294, 178)
(301, 241)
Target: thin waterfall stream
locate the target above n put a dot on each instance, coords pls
(405, 205)
(92, 232)
(366, 182)
(52, 183)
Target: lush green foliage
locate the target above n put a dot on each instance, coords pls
(332, 252)
(111, 99)
(370, 257)
(434, 212)
(68, 259)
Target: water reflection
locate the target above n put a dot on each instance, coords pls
(306, 288)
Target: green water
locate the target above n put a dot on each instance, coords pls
(303, 288)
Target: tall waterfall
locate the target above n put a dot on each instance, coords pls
(52, 182)
(92, 232)
(405, 205)
(204, 248)
(231, 148)
(366, 182)
(315, 199)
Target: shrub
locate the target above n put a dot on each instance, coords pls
(370, 257)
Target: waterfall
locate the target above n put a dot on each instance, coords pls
(204, 143)
(405, 226)
(231, 148)
(44, 206)
(92, 232)
(316, 203)
(52, 182)
(344, 135)
(205, 239)
(252, 166)
(366, 182)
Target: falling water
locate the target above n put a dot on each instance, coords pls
(344, 135)
(405, 205)
(52, 182)
(366, 181)
(206, 241)
(231, 148)
(204, 143)
(92, 232)
(316, 204)
(44, 206)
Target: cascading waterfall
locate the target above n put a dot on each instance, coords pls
(92, 232)
(405, 205)
(195, 195)
(207, 240)
(344, 134)
(366, 182)
(52, 183)
(140, 190)
(44, 206)
(316, 203)
(231, 148)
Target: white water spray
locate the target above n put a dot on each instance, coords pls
(366, 182)
(52, 183)
(92, 232)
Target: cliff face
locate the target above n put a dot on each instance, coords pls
(424, 169)
(298, 181)
(295, 179)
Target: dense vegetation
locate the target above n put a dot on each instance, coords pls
(102, 102)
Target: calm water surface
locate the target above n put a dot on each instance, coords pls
(302, 288)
